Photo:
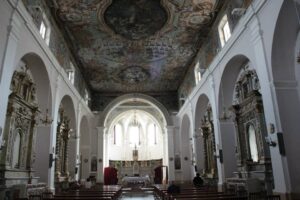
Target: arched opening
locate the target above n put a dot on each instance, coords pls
(286, 76)
(40, 76)
(186, 148)
(135, 102)
(29, 98)
(16, 149)
(251, 151)
(65, 163)
(205, 143)
(225, 101)
(252, 143)
(135, 141)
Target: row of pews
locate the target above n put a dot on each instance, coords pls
(189, 192)
(98, 193)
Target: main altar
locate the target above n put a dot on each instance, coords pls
(135, 171)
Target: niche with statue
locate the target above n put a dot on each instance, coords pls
(62, 174)
(252, 152)
(18, 151)
(210, 162)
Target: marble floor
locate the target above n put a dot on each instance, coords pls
(137, 196)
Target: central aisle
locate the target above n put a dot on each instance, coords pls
(137, 196)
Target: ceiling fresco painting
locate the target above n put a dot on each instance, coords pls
(135, 45)
(135, 19)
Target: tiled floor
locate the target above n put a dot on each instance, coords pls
(137, 196)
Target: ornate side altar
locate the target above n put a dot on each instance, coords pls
(253, 155)
(210, 164)
(18, 153)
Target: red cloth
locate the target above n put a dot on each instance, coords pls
(110, 176)
(158, 175)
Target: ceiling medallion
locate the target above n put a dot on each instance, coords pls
(133, 75)
(135, 19)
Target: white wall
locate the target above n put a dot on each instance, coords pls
(24, 39)
(252, 38)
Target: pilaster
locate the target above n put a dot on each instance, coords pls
(217, 130)
(279, 163)
(100, 152)
(170, 131)
(7, 65)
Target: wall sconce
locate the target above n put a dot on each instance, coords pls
(52, 158)
(270, 142)
(186, 158)
(100, 160)
(298, 57)
(220, 155)
(271, 128)
(281, 144)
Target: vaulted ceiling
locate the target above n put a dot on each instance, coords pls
(134, 45)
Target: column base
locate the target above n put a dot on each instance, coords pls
(221, 187)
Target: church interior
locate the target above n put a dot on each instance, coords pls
(122, 99)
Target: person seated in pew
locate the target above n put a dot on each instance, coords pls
(198, 181)
(173, 189)
(88, 183)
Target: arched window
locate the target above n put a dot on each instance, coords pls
(252, 143)
(224, 30)
(117, 134)
(16, 151)
(152, 134)
(197, 73)
(134, 135)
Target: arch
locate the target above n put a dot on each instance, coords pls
(185, 147)
(41, 78)
(228, 80)
(286, 76)
(138, 97)
(69, 110)
(120, 115)
(224, 102)
(17, 146)
(283, 48)
(124, 118)
(200, 110)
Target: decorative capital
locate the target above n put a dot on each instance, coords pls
(170, 128)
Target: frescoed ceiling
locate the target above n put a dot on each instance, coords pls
(134, 45)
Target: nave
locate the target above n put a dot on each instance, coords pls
(153, 93)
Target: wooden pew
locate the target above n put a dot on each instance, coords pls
(192, 193)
